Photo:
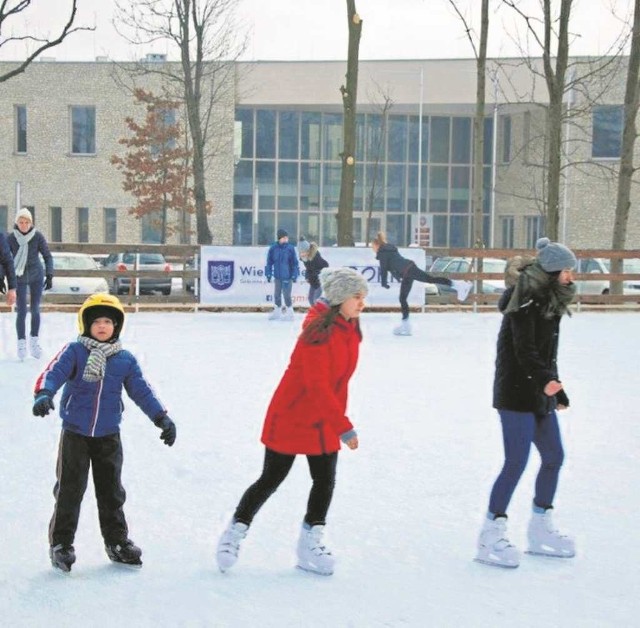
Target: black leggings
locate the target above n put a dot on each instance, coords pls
(275, 470)
(413, 273)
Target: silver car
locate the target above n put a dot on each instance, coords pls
(124, 262)
(88, 283)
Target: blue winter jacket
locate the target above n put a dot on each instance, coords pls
(282, 262)
(95, 408)
(7, 268)
(33, 270)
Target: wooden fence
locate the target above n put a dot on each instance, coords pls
(178, 255)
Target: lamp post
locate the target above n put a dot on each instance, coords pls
(567, 130)
(420, 153)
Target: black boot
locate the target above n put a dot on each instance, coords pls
(62, 556)
(126, 553)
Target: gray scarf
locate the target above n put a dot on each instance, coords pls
(97, 360)
(535, 284)
(20, 260)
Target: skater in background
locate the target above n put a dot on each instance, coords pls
(307, 416)
(27, 245)
(7, 272)
(94, 370)
(527, 392)
(282, 265)
(406, 272)
(313, 264)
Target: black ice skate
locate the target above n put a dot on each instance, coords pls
(62, 557)
(125, 553)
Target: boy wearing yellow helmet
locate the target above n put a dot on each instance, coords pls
(94, 370)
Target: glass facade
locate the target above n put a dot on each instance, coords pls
(288, 175)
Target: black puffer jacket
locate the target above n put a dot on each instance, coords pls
(526, 360)
(313, 266)
(391, 262)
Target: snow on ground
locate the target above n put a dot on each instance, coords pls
(408, 503)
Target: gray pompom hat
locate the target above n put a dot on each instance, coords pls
(554, 257)
(339, 284)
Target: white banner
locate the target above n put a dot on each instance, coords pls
(234, 275)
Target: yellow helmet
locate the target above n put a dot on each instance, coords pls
(101, 300)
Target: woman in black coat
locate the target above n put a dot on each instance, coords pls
(406, 272)
(527, 391)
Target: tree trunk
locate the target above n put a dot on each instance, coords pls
(631, 102)
(478, 129)
(555, 80)
(349, 101)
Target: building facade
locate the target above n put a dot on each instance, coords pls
(277, 161)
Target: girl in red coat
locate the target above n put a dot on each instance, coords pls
(307, 416)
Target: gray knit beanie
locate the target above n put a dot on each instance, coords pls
(303, 245)
(339, 284)
(554, 257)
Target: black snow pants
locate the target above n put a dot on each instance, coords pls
(76, 453)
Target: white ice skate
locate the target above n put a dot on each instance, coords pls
(462, 288)
(229, 545)
(276, 313)
(22, 349)
(403, 329)
(545, 540)
(494, 547)
(288, 314)
(34, 347)
(312, 554)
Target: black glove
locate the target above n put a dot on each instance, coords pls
(48, 282)
(561, 398)
(3, 286)
(168, 428)
(43, 403)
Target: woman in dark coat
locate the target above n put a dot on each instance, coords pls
(27, 245)
(313, 264)
(406, 272)
(307, 416)
(527, 392)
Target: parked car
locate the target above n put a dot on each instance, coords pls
(190, 283)
(124, 262)
(592, 266)
(629, 265)
(456, 265)
(89, 283)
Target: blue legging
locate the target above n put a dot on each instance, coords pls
(519, 430)
(35, 290)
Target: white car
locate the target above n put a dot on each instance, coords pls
(592, 266)
(87, 284)
(452, 266)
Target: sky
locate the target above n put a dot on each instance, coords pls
(408, 504)
(313, 30)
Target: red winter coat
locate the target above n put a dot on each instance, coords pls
(307, 412)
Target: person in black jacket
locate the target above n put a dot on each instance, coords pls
(7, 272)
(406, 272)
(313, 264)
(527, 391)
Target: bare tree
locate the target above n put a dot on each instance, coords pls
(349, 101)
(629, 135)
(555, 76)
(205, 35)
(480, 53)
(11, 9)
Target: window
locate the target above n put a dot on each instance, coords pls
(83, 130)
(242, 228)
(533, 230)
(505, 122)
(461, 140)
(151, 226)
(21, 129)
(110, 233)
(55, 226)
(4, 218)
(164, 133)
(244, 122)
(507, 224)
(607, 131)
(82, 220)
(440, 140)
(288, 135)
(265, 134)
